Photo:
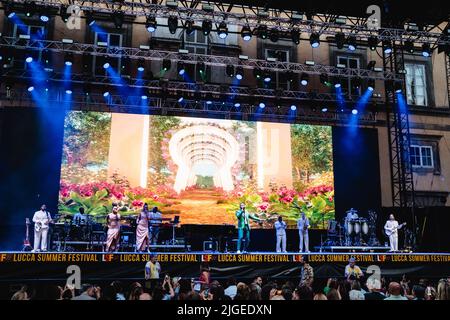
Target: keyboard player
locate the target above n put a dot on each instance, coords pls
(155, 223)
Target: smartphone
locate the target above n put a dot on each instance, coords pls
(206, 293)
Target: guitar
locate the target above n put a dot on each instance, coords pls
(388, 232)
(38, 225)
(26, 241)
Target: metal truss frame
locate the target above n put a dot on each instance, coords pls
(190, 58)
(283, 20)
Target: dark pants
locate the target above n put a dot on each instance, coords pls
(243, 234)
(154, 233)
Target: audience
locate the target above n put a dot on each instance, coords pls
(395, 292)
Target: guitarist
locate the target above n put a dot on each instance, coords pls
(41, 219)
(391, 228)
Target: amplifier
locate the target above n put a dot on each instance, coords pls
(211, 246)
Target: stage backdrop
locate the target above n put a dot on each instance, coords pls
(198, 169)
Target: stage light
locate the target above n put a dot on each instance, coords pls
(257, 73)
(246, 33)
(262, 105)
(239, 73)
(340, 40)
(201, 68)
(229, 70)
(295, 36)
(144, 97)
(324, 109)
(373, 43)
(118, 18)
(43, 15)
(304, 79)
(180, 68)
(371, 84)
(222, 30)
(64, 14)
(237, 104)
(426, 50)
(167, 63)
(354, 112)
(267, 76)
(351, 43)
(387, 45)
(29, 59)
(398, 87)
(90, 19)
(337, 82)
(30, 88)
(206, 27)
(10, 10)
(314, 40)
(324, 79)
(408, 46)
(172, 23)
(30, 8)
(189, 27)
(274, 35)
(68, 91)
(262, 31)
(180, 99)
(290, 76)
(293, 107)
(150, 25)
(356, 83)
(106, 93)
(68, 59)
(106, 63)
(141, 65)
(87, 88)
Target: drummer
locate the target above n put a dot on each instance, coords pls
(79, 216)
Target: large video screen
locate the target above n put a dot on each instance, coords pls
(197, 169)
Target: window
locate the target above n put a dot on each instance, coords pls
(35, 32)
(197, 43)
(280, 81)
(112, 40)
(353, 63)
(421, 156)
(416, 87)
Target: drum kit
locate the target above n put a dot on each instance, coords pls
(354, 231)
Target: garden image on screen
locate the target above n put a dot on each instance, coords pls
(199, 169)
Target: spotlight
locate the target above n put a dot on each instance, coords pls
(290, 76)
(371, 84)
(150, 25)
(262, 105)
(314, 40)
(30, 88)
(324, 109)
(387, 45)
(118, 17)
(222, 30)
(64, 14)
(257, 73)
(398, 87)
(354, 112)
(206, 27)
(68, 59)
(43, 15)
(373, 43)
(189, 25)
(167, 63)
(295, 36)
(229, 70)
(274, 35)
(426, 50)
(246, 33)
(180, 99)
(239, 73)
(30, 8)
(90, 19)
(237, 104)
(356, 84)
(9, 10)
(180, 68)
(340, 40)
(106, 92)
(68, 91)
(408, 46)
(172, 23)
(201, 68)
(267, 76)
(351, 43)
(293, 107)
(106, 63)
(144, 97)
(304, 79)
(29, 59)
(262, 31)
(324, 79)
(141, 65)
(337, 82)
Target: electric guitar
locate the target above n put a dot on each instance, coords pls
(38, 225)
(388, 232)
(26, 241)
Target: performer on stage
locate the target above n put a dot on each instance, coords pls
(352, 271)
(155, 221)
(41, 219)
(303, 226)
(391, 228)
(142, 237)
(244, 227)
(280, 227)
(352, 214)
(113, 235)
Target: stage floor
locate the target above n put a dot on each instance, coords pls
(26, 266)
